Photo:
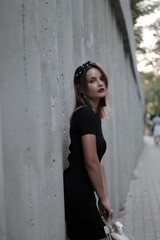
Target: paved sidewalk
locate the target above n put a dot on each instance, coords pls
(142, 208)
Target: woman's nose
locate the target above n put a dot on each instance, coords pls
(100, 83)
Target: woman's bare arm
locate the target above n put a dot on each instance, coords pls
(94, 169)
(104, 177)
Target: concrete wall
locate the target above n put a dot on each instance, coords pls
(41, 44)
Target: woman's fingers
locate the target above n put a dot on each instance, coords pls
(111, 213)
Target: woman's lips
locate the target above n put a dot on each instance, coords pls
(101, 90)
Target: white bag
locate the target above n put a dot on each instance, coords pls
(116, 231)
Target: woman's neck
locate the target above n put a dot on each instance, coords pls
(94, 105)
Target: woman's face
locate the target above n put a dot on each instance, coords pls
(95, 84)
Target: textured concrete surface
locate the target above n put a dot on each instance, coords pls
(142, 207)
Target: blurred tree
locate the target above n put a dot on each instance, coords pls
(155, 62)
(141, 8)
(150, 80)
(151, 85)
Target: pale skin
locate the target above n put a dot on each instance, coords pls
(95, 168)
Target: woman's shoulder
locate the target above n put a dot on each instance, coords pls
(85, 120)
(83, 110)
(84, 116)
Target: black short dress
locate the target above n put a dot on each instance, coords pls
(83, 220)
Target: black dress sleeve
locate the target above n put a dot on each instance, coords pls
(86, 121)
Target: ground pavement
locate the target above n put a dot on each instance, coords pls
(142, 208)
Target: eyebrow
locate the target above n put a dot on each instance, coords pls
(95, 77)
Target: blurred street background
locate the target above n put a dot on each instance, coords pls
(146, 21)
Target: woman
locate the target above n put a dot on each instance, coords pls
(85, 175)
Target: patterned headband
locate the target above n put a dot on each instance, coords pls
(80, 70)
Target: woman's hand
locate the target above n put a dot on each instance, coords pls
(105, 208)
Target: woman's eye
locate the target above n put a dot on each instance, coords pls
(92, 81)
(101, 78)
